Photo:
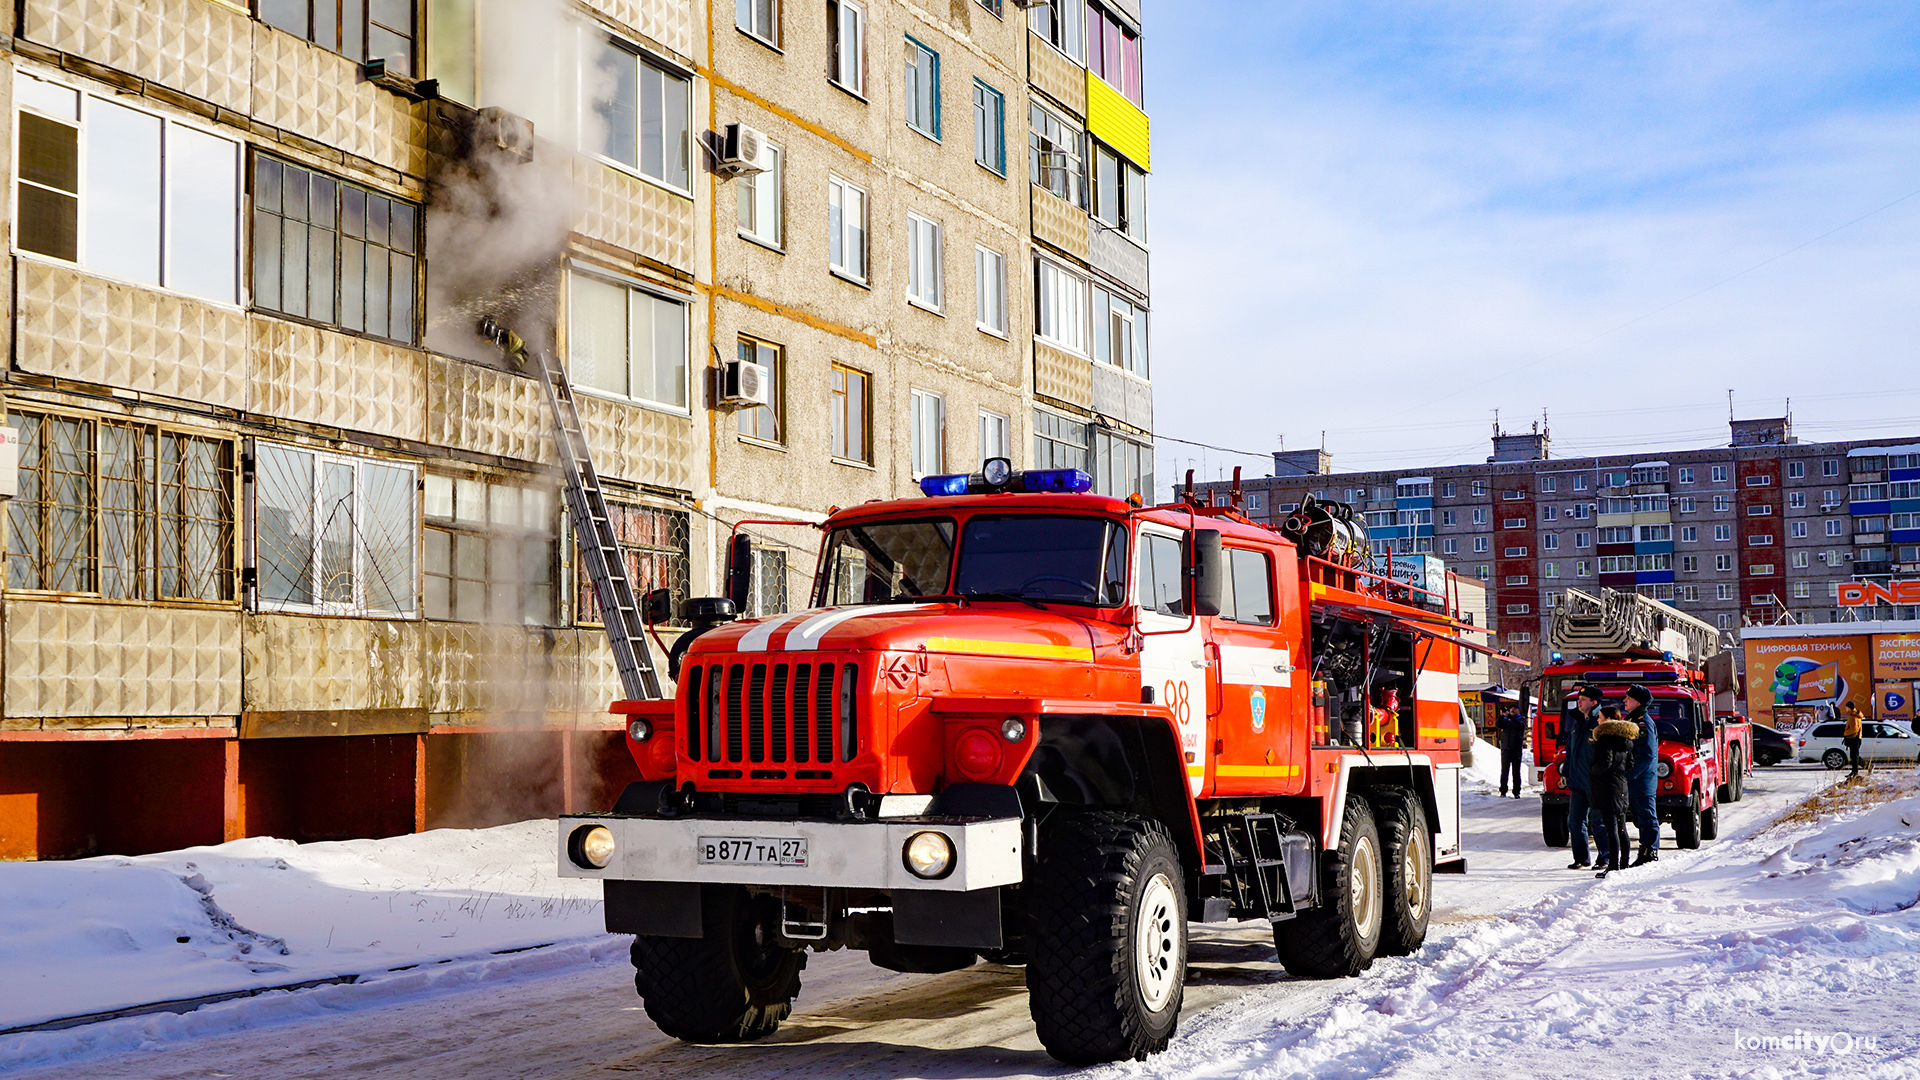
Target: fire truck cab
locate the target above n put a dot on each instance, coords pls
(1033, 725)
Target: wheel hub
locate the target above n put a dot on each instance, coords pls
(1156, 946)
(1411, 864)
(1363, 885)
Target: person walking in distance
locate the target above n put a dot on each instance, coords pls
(1576, 753)
(1512, 724)
(1850, 737)
(1607, 783)
(1642, 777)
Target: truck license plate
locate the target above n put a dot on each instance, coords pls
(752, 850)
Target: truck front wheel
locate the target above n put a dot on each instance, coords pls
(1341, 936)
(1686, 825)
(1107, 951)
(732, 985)
(1553, 825)
(1408, 863)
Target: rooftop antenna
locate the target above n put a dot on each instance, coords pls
(1729, 405)
(1323, 438)
(1496, 423)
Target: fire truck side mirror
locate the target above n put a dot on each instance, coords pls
(740, 570)
(1209, 572)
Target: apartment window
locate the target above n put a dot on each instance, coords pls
(1450, 546)
(1580, 511)
(768, 594)
(994, 440)
(1686, 504)
(1446, 490)
(1519, 609)
(766, 422)
(1580, 483)
(1798, 560)
(1829, 497)
(1689, 592)
(1686, 475)
(1513, 523)
(1119, 331)
(1550, 570)
(1479, 487)
(1582, 568)
(761, 18)
(626, 341)
(1651, 534)
(1616, 534)
(653, 543)
(1723, 562)
(1058, 442)
(1550, 542)
(1760, 540)
(1121, 466)
(1479, 515)
(1835, 527)
(1449, 517)
(1113, 52)
(1549, 513)
(927, 432)
(1689, 534)
(1520, 637)
(851, 406)
(333, 533)
(490, 553)
(1056, 155)
(1512, 496)
(1723, 532)
(1796, 500)
(121, 510)
(380, 30)
(922, 86)
(100, 185)
(1062, 23)
(1830, 467)
(989, 127)
(1582, 539)
(925, 258)
(847, 45)
(1719, 474)
(846, 229)
(1760, 480)
(1060, 307)
(1802, 590)
(332, 252)
(1722, 503)
(1516, 553)
(1119, 193)
(1483, 571)
(1689, 564)
(760, 197)
(1616, 564)
(990, 290)
(1653, 562)
(1797, 530)
(643, 116)
(994, 6)
(1516, 579)
(1796, 470)
(1480, 544)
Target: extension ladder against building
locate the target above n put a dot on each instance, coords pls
(592, 523)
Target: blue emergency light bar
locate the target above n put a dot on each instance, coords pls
(1057, 481)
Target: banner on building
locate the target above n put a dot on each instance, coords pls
(1818, 673)
(1896, 657)
(1893, 701)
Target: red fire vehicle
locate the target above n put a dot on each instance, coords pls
(1632, 640)
(1038, 726)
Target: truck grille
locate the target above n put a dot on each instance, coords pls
(773, 713)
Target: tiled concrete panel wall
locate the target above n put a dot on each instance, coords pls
(669, 22)
(304, 373)
(1139, 404)
(308, 662)
(312, 92)
(583, 679)
(641, 445)
(1062, 375)
(470, 407)
(1056, 76)
(120, 660)
(1121, 396)
(476, 668)
(1059, 222)
(1109, 251)
(197, 47)
(634, 215)
(75, 326)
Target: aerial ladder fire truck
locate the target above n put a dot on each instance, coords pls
(1616, 639)
(1029, 724)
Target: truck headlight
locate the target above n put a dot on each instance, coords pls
(639, 731)
(591, 847)
(1666, 770)
(1013, 729)
(929, 855)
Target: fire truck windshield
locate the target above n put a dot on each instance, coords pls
(1675, 716)
(1028, 557)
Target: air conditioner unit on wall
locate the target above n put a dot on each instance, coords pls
(498, 129)
(745, 383)
(741, 151)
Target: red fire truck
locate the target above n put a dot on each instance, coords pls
(1619, 640)
(1030, 724)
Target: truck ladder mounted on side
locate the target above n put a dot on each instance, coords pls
(592, 523)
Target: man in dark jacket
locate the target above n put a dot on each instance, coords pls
(1512, 725)
(1576, 756)
(1643, 776)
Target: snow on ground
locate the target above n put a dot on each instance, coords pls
(103, 934)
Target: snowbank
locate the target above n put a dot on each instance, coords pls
(103, 934)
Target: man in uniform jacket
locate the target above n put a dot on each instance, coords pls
(1643, 776)
(1576, 756)
(1512, 724)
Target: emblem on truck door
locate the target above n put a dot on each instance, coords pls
(1257, 705)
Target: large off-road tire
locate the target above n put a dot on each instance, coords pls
(1686, 825)
(1739, 781)
(732, 985)
(1407, 858)
(1341, 936)
(1553, 825)
(1107, 940)
(1710, 823)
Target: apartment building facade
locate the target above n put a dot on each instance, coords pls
(288, 554)
(1762, 530)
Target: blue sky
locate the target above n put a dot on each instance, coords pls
(1386, 220)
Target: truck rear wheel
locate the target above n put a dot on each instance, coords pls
(1739, 781)
(1553, 825)
(1408, 861)
(1107, 948)
(1710, 823)
(1686, 825)
(733, 985)
(1341, 936)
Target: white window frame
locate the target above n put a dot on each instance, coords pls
(660, 296)
(989, 291)
(1722, 563)
(996, 436)
(1063, 302)
(761, 196)
(924, 406)
(592, 81)
(838, 189)
(850, 56)
(921, 62)
(410, 536)
(751, 9)
(1722, 533)
(926, 263)
(1719, 474)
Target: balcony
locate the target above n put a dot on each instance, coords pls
(1869, 569)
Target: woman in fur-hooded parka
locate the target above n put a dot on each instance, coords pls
(1607, 781)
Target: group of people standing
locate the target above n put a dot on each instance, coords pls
(1609, 761)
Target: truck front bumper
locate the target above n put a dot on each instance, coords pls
(839, 854)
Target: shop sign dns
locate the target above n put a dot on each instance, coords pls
(1860, 593)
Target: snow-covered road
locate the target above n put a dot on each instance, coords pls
(1531, 970)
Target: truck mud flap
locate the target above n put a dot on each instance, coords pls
(654, 908)
(966, 919)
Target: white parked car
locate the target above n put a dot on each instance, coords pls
(1879, 741)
